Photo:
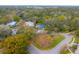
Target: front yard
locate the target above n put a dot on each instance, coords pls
(46, 42)
(64, 50)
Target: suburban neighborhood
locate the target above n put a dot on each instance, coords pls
(39, 30)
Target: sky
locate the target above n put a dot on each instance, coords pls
(39, 2)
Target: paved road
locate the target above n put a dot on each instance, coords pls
(34, 50)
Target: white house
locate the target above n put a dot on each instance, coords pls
(13, 23)
(29, 23)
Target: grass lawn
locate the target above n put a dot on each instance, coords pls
(64, 50)
(76, 39)
(56, 40)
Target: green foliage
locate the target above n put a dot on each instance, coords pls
(64, 50)
(76, 39)
(61, 18)
(41, 22)
(16, 44)
(57, 40)
(4, 19)
(5, 31)
(16, 18)
(29, 31)
(77, 33)
(55, 19)
(47, 17)
(66, 28)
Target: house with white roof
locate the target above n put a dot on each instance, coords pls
(29, 23)
(13, 23)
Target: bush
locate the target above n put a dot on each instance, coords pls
(77, 33)
(16, 44)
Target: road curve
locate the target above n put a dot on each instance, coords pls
(55, 50)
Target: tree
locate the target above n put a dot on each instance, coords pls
(61, 17)
(5, 19)
(23, 29)
(17, 18)
(16, 44)
(29, 31)
(5, 31)
(77, 33)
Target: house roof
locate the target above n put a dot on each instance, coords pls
(29, 23)
(40, 26)
(12, 23)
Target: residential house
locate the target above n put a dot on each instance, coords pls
(40, 28)
(13, 23)
(29, 23)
